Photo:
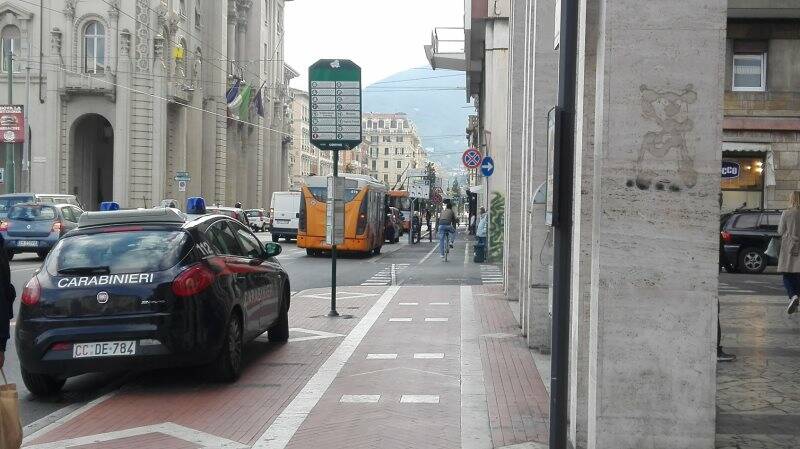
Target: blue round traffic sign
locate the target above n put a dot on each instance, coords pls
(471, 158)
(487, 166)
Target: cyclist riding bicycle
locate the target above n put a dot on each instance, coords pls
(446, 225)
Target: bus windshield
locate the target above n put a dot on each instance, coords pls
(321, 194)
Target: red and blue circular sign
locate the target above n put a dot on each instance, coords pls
(471, 158)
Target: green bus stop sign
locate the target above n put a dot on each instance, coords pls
(334, 91)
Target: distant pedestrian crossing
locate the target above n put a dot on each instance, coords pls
(387, 276)
(491, 274)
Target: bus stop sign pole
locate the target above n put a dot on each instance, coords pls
(334, 88)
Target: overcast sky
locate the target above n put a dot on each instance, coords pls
(382, 36)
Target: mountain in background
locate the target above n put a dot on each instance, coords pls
(435, 100)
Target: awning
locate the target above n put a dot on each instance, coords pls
(750, 147)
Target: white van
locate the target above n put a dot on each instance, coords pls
(284, 215)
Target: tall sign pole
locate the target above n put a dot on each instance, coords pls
(9, 172)
(334, 92)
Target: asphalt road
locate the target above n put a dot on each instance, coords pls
(398, 263)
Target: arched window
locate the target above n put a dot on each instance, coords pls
(11, 40)
(94, 47)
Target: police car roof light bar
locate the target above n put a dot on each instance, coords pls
(109, 206)
(196, 205)
(124, 217)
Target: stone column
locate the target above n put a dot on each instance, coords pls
(513, 166)
(122, 131)
(159, 148)
(495, 115)
(545, 87)
(232, 17)
(582, 222)
(659, 108)
(53, 177)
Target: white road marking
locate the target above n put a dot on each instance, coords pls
(315, 335)
(408, 304)
(419, 399)
(435, 247)
(381, 356)
(197, 437)
(64, 417)
(394, 275)
(359, 398)
(429, 355)
(466, 252)
(284, 427)
(405, 320)
(436, 320)
(475, 430)
(440, 304)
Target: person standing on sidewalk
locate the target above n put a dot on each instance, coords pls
(428, 222)
(789, 257)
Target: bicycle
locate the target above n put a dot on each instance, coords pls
(449, 240)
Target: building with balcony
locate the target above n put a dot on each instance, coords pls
(128, 94)
(391, 147)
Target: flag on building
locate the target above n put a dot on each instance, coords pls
(233, 92)
(244, 103)
(259, 102)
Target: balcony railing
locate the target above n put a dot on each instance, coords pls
(446, 50)
(89, 83)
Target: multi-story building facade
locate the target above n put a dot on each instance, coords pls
(304, 158)
(761, 129)
(128, 93)
(392, 147)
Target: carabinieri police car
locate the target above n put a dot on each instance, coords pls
(149, 289)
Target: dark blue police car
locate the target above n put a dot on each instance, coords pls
(149, 289)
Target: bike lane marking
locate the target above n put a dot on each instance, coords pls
(281, 431)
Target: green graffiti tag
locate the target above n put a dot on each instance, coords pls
(497, 211)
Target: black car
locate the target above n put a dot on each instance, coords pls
(149, 289)
(744, 236)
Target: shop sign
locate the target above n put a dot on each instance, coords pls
(730, 170)
(12, 124)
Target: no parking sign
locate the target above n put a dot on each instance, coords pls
(471, 158)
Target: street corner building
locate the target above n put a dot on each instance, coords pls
(137, 101)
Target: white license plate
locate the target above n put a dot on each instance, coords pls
(103, 349)
(282, 221)
(28, 243)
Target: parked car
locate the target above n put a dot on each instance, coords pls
(10, 199)
(232, 212)
(393, 228)
(284, 215)
(744, 236)
(36, 227)
(146, 289)
(257, 218)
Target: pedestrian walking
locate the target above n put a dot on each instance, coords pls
(789, 256)
(428, 222)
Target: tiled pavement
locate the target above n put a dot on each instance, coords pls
(367, 381)
(758, 396)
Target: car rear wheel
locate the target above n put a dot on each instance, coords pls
(41, 384)
(377, 250)
(264, 227)
(275, 238)
(279, 332)
(752, 260)
(228, 364)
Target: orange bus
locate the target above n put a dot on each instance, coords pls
(365, 202)
(401, 200)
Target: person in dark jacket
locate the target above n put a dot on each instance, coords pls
(7, 296)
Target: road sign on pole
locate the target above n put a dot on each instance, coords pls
(471, 158)
(334, 89)
(487, 166)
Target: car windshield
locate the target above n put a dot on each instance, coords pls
(8, 202)
(253, 213)
(30, 212)
(144, 251)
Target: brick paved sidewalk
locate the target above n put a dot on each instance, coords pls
(416, 367)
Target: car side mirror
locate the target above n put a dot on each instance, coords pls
(272, 249)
